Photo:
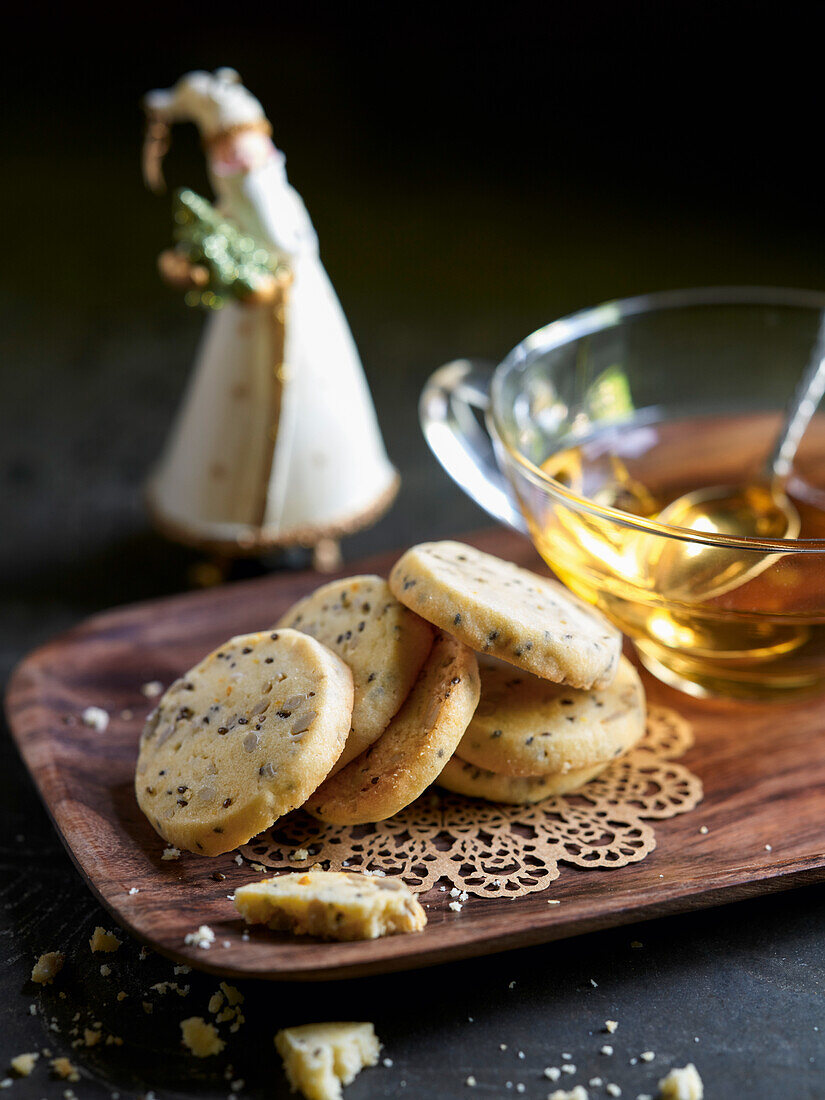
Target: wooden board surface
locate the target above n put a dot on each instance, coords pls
(763, 768)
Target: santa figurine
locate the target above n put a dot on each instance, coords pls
(276, 442)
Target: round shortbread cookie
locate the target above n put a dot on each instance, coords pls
(498, 608)
(410, 753)
(382, 641)
(243, 738)
(524, 726)
(467, 779)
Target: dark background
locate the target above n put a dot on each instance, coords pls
(472, 173)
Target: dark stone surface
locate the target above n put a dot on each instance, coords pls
(442, 240)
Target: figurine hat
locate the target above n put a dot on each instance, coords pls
(215, 102)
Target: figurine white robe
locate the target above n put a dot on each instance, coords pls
(219, 479)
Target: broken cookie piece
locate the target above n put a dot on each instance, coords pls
(336, 905)
(201, 1038)
(682, 1084)
(319, 1059)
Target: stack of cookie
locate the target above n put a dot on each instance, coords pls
(558, 701)
(364, 693)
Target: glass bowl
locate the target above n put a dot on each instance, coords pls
(593, 424)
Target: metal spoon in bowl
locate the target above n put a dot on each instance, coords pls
(760, 509)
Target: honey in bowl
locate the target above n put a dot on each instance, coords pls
(704, 618)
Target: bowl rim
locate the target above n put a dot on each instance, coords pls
(609, 314)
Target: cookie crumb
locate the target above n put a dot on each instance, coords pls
(203, 938)
(704, 830)
(171, 853)
(553, 1073)
(63, 1068)
(607, 1049)
(613, 1090)
(47, 967)
(201, 1038)
(23, 1064)
(104, 941)
(105, 971)
(152, 689)
(456, 906)
(577, 1093)
(95, 718)
(233, 995)
(647, 1056)
(470, 1081)
(568, 1067)
(610, 1026)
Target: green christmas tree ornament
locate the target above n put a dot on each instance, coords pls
(214, 261)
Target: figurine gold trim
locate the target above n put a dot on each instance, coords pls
(276, 441)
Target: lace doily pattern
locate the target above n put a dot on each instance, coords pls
(494, 850)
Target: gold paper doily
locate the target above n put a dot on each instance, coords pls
(493, 850)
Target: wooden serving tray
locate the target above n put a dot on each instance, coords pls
(763, 769)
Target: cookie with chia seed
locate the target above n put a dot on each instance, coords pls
(524, 726)
(496, 607)
(384, 643)
(464, 778)
(243, 738)
(411, 752)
